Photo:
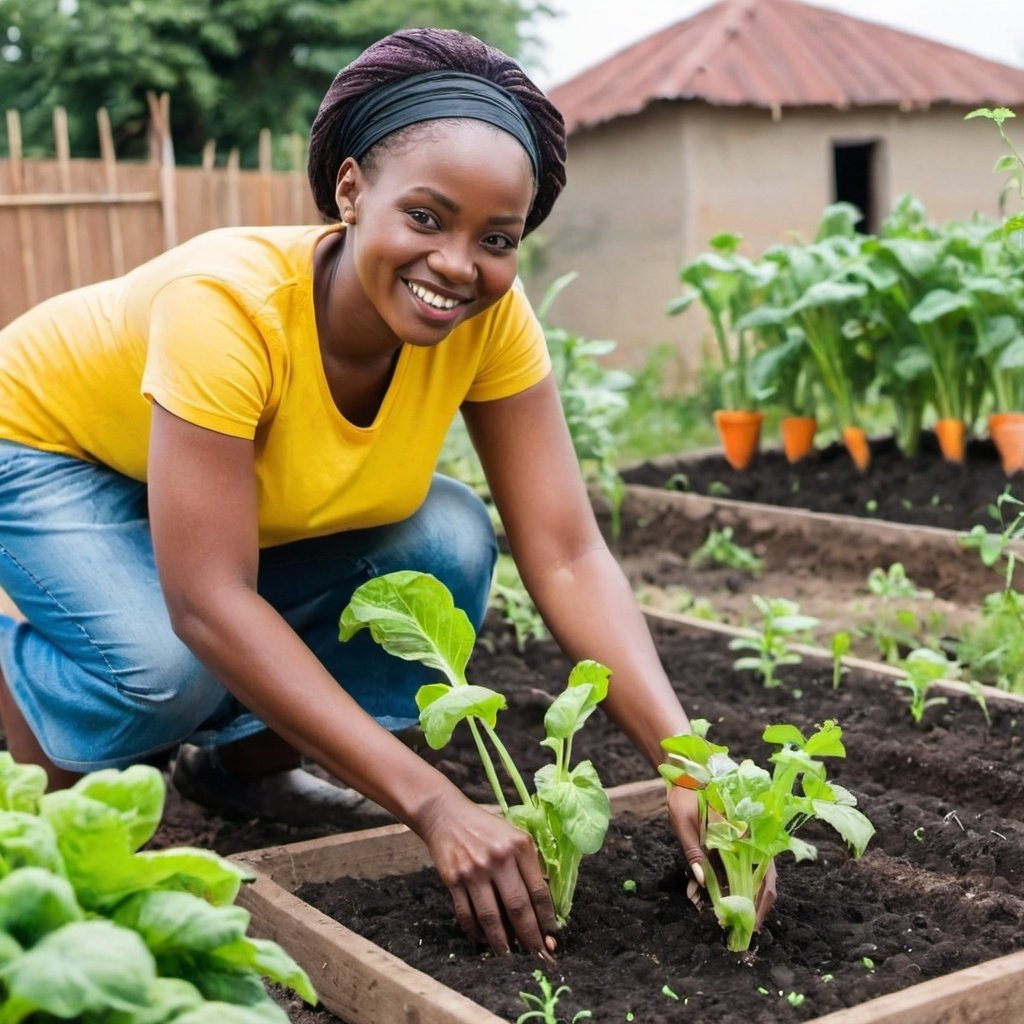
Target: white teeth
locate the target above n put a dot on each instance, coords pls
(427, 296)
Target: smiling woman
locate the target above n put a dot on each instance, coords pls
(201, 461)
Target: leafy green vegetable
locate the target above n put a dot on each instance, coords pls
(780, 622)
(749, 816)
(91, 927)
(412, 615)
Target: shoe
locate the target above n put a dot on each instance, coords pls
(294, 797)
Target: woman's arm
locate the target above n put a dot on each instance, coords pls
(578, 587)
(202, 495)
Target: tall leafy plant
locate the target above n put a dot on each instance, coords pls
(412, 615)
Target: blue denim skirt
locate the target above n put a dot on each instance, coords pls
(95, 667)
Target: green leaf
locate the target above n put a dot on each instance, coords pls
(228, 1013)
(939, 302)
(826, 742)
(440, 717)
(593, 674)
(136, 793)
(84, 966)
(35, 902)
(178, 922)
(28, 841)
(850, 823)
(412, 615)
(782, 734)
(582, 806)
(21, 785)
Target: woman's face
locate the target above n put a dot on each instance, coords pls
(437, 224)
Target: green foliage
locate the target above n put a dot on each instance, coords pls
(924, 668)
(896, 628)
(1010, 162)
(841, 643)
(749, 816)
(94, 928)
(781, 622)
(509, 597)
(412, 615)
(719, 548)
(214, 57)
(543, 1008)
(593, 400)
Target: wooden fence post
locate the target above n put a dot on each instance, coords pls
(110, 177)
(266, 165)
(62, 145)
(234, 203)
(26, 239)
(163, 144)
(296, 179)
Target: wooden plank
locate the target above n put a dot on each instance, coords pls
(233, 181)
(79, 199)
(63, 148)
(266, 162)
(26, 237)
(988, 993)
(163, 147)
(109, 162)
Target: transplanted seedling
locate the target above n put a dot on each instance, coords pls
(749, 816)
(719, 548)
(543, 1008)
(412, 615)
(781, 622)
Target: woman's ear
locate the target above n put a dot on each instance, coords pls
(347, 189)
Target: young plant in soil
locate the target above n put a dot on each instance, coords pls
(781, 621)
(897, 629)
(749, 816)
(543, 1008)
(412, 615)
(719, 548)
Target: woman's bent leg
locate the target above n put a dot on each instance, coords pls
(95, 669)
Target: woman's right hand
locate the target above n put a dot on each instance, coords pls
(493, 872)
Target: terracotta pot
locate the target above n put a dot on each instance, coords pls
(856, 442)
(798, 436)
(950, 433)
(740, 433)
(1007, 432)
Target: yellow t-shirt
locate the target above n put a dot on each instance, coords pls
(221, 332)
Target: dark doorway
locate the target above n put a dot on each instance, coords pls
(854, 175)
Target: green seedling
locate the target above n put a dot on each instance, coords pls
(667, 992)
(514, 604)
(629, 885)
(718, 489)
(748, 816)
(795, 998)
(719, 548)
(841, 642)
(781, 622)
(919, 834)
(893, 584)
(412, 616)
(542, 1008)
(1010, 162)
(924, 668)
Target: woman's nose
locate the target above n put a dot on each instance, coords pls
(453, 262)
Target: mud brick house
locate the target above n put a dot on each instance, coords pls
(751, 116)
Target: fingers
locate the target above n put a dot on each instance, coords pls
(683, 813)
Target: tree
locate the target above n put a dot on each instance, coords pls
(231, 67)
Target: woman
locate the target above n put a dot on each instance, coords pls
(200, 462)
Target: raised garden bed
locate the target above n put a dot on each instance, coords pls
(924, 490)
(938, 891)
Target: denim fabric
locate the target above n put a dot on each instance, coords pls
(96, 668)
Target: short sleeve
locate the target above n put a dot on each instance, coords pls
(207, 360)
(515, 355)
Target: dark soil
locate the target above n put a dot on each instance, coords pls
(923, 489)
(939, 889)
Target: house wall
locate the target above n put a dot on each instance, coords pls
(646, 193)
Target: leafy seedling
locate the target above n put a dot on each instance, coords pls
(719, 548)
(543, 1008)
(841, 641)
(748, 816)
(412, 615)
(781, 622)
(924, 668)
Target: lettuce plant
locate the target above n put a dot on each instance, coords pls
(781, 621)
(94, 929)
(748, 815)
(412, 615)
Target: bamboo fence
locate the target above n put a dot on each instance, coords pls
(67, 222)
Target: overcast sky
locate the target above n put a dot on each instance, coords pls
(591, 30)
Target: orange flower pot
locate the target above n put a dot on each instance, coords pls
(740, 433)
(1007, 432)
(798, 436)
(950, 433)
(856, 442)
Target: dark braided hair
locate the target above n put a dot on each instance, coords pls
(415, 51)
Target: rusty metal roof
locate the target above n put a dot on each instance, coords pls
(783, 53)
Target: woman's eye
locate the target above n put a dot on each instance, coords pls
(502, 242)
(424, 218)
